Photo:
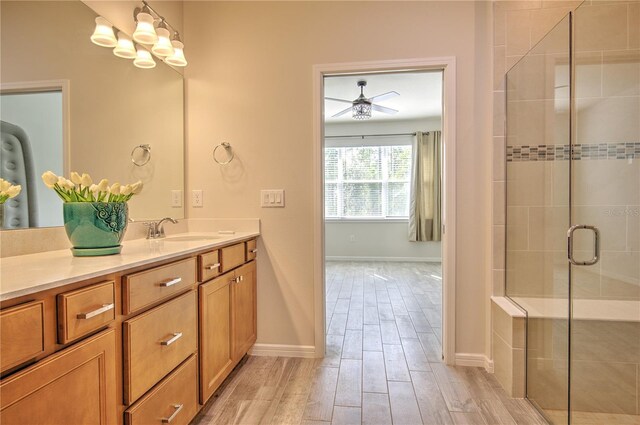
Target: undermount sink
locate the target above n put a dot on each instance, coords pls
(191, 238)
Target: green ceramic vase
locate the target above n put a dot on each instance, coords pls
(95, 228)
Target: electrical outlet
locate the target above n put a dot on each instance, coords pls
(196, 198)
(176, 198)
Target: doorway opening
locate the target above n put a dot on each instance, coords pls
(385, 198)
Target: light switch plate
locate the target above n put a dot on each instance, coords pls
(176, 198)
(272, 198)
(196, 198)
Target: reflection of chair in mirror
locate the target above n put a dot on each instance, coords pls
(16, 166)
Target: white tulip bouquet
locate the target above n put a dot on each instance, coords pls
(80, 188)
(8, 190)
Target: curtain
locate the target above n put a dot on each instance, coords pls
(425, 219)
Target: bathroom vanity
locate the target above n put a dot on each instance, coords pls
(142, 337)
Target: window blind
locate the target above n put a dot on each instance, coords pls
(367, 181)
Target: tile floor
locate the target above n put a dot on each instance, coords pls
(383, 363)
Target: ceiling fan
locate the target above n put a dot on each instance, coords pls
(362, 106)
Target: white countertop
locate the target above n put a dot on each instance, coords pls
(27, 274)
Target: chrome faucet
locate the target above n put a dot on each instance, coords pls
(155, 229)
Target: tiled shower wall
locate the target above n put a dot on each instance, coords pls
(518, 26)
(607, 64)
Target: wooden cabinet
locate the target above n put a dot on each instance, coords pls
(85, 310)
(74, 386)
(216, 361)
(172, 401)
(232, 256)
(21, 334)
(156, 342)
(209, 265)
(251, 250)
(168, 342)
(244, 326)
(145, 288)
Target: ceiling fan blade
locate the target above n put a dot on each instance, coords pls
(384, 109)
(384, 96)
(341, 113)
(338, 100)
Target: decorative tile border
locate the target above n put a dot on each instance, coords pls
(578, 152)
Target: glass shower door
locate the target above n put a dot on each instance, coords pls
(537, 219)
(605, 194)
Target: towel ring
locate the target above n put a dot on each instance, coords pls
(230, 154)
(147, 152)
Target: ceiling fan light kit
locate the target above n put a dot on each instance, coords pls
(362, 106)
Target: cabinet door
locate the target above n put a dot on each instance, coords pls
(243, 310)
(74, 386)
(216, 361)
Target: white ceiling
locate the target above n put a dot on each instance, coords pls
(420, 94)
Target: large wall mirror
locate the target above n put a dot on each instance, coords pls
(74, 106)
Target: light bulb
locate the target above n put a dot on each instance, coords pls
(103, 34)
(144, 59)
(124, 48)
(145, 33)
(163, 46)
(177, 59)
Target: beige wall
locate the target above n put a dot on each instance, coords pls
(249, 82)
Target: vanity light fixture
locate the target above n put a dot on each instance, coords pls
(145, 32)
(152, 30)
(177, 59)
(103, 33)
(143, 58)
(124, 48)
(163, 47)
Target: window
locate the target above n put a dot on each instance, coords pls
(367, 181)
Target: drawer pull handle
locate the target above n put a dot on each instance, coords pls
(170, 282)
(176, 336)
(168, 420)
(253, 251)
(240, 278)
(97, 311)
(212, 266)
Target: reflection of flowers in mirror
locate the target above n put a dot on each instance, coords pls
(80, 188)
(8, 190)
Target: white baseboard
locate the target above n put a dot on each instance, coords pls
(488, 365)
(405, 259)
(474, 360)
(280, 350)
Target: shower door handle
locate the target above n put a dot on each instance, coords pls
(596, 243)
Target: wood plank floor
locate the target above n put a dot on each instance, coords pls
(383, 363)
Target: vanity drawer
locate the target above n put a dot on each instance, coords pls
(251, 249)
(232, 256)
(157, 341)
(209, 265)
(85, 310)
(171, 401)
(142, 289)
(21, 333)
